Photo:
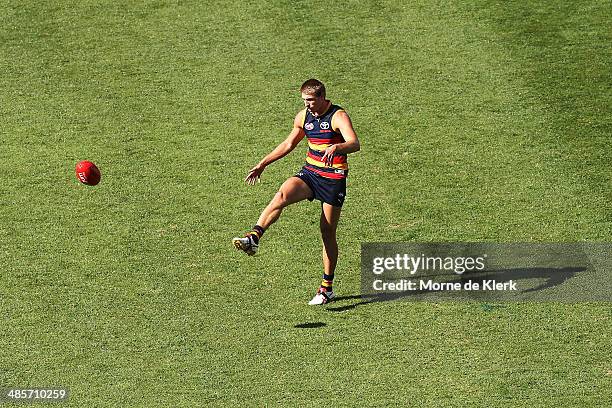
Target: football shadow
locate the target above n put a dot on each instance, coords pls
(313, 325)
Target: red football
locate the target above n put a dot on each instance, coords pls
(88, 173)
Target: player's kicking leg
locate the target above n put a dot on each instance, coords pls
(330, 216)
(292, 191)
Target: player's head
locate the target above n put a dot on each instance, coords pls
(313, 87)
(313, 94)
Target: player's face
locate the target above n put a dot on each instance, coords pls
(313, 103)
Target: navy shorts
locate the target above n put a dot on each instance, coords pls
(326, 190)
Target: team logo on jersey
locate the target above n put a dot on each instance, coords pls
(309, 126)
(324, 125)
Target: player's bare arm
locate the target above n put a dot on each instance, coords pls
(283, 149)
(341, 122)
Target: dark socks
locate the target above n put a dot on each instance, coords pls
(326, 284)
(256, 233)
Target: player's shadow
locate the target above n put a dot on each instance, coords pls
(553, 277)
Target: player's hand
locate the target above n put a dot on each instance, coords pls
(328, 156)
(254, 174)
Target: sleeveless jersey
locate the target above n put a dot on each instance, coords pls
(320, 136)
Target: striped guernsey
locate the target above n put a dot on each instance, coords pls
(321, 135)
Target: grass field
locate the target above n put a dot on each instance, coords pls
(486, 121)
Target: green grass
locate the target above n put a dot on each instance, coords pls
(481, 122)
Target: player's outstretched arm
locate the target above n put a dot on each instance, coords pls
(342, 123)
(283, 149)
